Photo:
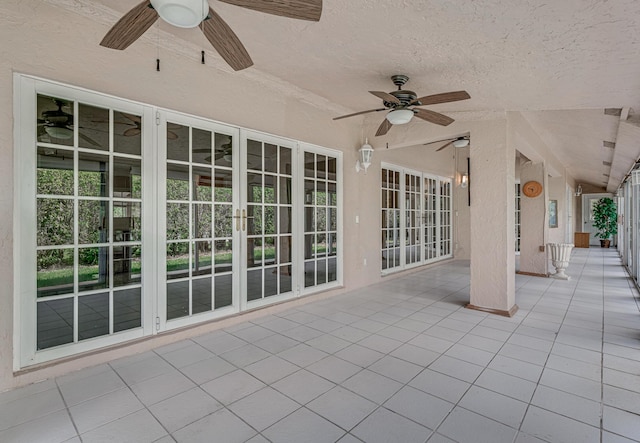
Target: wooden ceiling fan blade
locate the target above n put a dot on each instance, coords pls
(131, 132)
(88, 139)
(384, 127)
(433, 117)
(133, 118)
(385, 96)
(225, 41)
(446, 145)
(130, 27)
(445, 97)
(171, 135)
(300, 9)
(358, 113)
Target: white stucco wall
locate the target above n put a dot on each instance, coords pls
(534, 223)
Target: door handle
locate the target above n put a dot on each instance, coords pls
(237, 217)
(244, 219)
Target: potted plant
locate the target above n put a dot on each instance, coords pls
(605, 220)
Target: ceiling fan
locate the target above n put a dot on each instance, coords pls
(192, 13)
(57, 123)
(457, 142)
(402, 104)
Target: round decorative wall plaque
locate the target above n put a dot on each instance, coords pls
(532, 189)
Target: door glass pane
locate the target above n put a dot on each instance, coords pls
(177, 182)
(93, 127)
(127, 309)
(55, 272)
(177, 142)
(127, 267)
(201, 298)
(223, 150)
(270, 158)
(93, 175)
(55, 120)
(201, 260)
(55, 221)
(55, 323)
(55, 171)
(223, 291)
(201, 147)
(177, 299)
(93, 272)
(202, 184)
(93, 221)
(254, 155)
(127, 135)
(127, 181)
(93, 315)
(177, 260)
(127, 221)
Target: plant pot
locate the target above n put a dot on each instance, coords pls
(605, 243)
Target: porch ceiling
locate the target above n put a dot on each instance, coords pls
(562, 63)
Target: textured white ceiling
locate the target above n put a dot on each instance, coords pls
(576, 57)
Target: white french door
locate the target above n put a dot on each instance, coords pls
(133, 220)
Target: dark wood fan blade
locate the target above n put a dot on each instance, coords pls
(445, 97)
(385, 96)
(130, 27)
(171, 135)
(300, 9)
(358, 113)
(88, 139)
(446, 145)
(133, 118)
(433, 117)
(383, 128)
(131, 132)
(225, 41)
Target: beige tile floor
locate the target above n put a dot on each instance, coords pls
(401, 361)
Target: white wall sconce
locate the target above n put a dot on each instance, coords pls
(464, 180)
(365, 153)
(578, 191)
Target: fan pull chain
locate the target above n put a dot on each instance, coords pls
(202, 54)
(158, 64)
(157, 47)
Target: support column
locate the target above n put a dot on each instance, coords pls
(492, 182)
(533, 223)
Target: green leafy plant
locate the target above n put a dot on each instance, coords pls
(605, 218)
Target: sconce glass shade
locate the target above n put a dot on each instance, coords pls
(461, 142)
(400, 116)
(59, 132)
(365, 153)
(182, 13)
(464, 180)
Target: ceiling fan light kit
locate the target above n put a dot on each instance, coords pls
(400, 116)
(184, 13)
(59, 132)
(461, 142)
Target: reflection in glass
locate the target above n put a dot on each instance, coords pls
(127, 221)
(55, 171)
(254, 284)
(285, 279)
(54, 120)
(201, 260)
(127, 309)
(93, 315)
(55, 221)
(177, 142)
(308, 245)
(321, 269)
(127, 137)
(332, 270)
(93, 221)
(55, 323)
(254, 155)
(223, 220)
(270, 251)
(285, 220)
(254, 220)
(201, 295)
(93, 127)
(321, 219)
(270, 281)
(309, 192)
(202, 221)
(270, 158)
(223, 150)
(285, 161)
(177, 182)
(127, 181)
(309, 165)
(285, 191)
(93, 269)
(309, 273)
(127, 266)
(55, 272)
(93, 175)
(177, 221)
(177, 260)
(270, 188)
(254, 188)
(201, 184)
(270, 220)
(223, 186)
(333, 219)
(201, 146)
(177, 299)
(254, 252)
(285, 249)
(223, 255)
(223, 291)
(331, 168)
(322, 166)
